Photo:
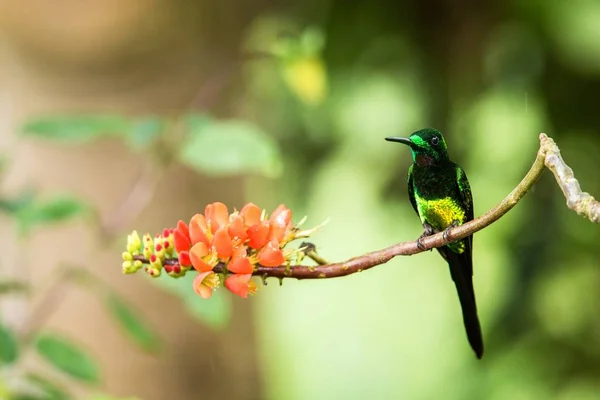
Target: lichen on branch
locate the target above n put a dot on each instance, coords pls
(234, 247)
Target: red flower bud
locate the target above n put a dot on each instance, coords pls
(184, 258)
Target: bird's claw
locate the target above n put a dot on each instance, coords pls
(446, 233)
(428, 232)
(419, 244)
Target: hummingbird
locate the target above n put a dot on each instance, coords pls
(440, 194)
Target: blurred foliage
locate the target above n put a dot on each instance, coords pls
(65, 356)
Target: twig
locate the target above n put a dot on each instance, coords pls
(548, 155)
(581, 202)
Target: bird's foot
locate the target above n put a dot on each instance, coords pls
(428, 232)
(445, 236)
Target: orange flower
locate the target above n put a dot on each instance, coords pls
(240, 264)
(198, 255)
(222, 243)
(271, 255)
(205, 283)
(198, 229)
(237, 229)
(258, 234)
(280, 223)
(217, 215)
(181, 237)
(251, 214)
(241, 284)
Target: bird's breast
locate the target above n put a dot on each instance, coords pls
(440, 213)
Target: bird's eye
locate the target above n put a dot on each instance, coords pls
(435, 140)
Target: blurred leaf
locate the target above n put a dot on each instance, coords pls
(307, 78)
(214, 312)
(143, 133)
(109, 397)
(67, 358)
(20, 202)
(133, 325)
(231, 148)
(196, 122)
(52, 391)
(9, 348)
(76, 128)
(57, 209)
(8, 287)
(312, 41)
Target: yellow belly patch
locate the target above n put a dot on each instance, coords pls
(440, 213)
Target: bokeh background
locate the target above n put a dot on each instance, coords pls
(141, 112)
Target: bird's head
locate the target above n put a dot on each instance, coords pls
(427, 145)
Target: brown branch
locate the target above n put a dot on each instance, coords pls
(548, 155)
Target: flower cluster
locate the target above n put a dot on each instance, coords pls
(222, 247)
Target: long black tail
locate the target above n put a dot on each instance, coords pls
(460, 270)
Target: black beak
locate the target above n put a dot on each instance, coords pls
(405, 141)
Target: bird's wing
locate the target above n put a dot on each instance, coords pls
(411, 190)
(467, 200)
(465, 191)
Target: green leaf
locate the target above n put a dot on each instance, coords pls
(8, 287)
(19, 203)
(57, 209)
(9, 348)
(214, 312)
(52, 391)
(76, 128)
(130, 321)
(143, 133)
(231, 148)
(67, 357)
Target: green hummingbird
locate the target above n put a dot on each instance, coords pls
(441, 196)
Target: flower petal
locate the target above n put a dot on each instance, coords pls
(197, 254)
(240, 284)
(181, 241)
(184, 259)
(183, 227)
(258, 235)
(203, 290)
(198, 229)
(237, 229)
(271, 255)
(240, 265)
(222, 243)
(251, 214)
(217, 215)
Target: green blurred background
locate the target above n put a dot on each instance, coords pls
(285, 101)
